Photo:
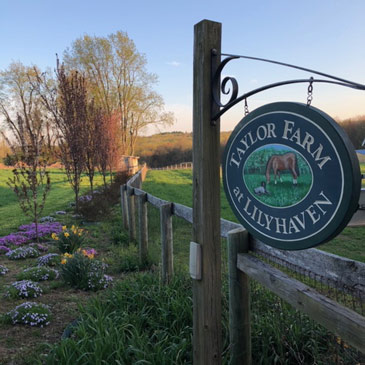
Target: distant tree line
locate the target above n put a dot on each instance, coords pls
(355, 129)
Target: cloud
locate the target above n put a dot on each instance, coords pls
(174, 63)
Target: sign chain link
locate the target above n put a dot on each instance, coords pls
(246, 107)
(310, 92)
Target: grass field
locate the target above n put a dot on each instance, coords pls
(59, 198)
(282, 194)
(176, 186)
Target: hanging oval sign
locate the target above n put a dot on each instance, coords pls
(291, 175)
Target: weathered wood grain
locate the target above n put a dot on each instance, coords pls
(349, 325)
(207, 342)
(131, 213)
(239, 300)
(167, 256)
(143, 228)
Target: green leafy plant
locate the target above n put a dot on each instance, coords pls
(81, 271)
(23, 289)
(29, 313)
(70, 239)
(38, 273)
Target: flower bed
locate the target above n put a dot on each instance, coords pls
(23, 289)
(22, 253)
(29, 313)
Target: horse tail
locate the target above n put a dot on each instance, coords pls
(296, 164)
(268, 168)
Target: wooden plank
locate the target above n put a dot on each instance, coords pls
(131, 213)
(239, 301)
(167, 256)
(156, 202)
(125, 218)
(331, 267)
(183, 212)
(227, 226)
(143, 228)
(349, 325)
(207, 342)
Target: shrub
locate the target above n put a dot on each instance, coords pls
(81, 271)
(29, 313)
(23, 289)
(3, 270)
(69, 240)
(9, 160)
(38, 273)
(97, 208)
(22, 253)
(51, 259)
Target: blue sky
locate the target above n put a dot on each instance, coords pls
(326, 35)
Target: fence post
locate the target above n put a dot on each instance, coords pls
(239, 300)
(166, 242)
(131, 213)
(143, 227)
(123, 193)
(207, 316)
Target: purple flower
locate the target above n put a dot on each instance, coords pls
(4, 249)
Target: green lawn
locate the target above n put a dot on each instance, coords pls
(59, 198)
(176, 186)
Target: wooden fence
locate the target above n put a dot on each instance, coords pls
(244, 261)
(180, 166)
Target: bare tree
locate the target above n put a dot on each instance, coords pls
(71, 120)
(25, 120)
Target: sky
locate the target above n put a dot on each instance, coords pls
(325, 35)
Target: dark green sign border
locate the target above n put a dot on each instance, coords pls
(349, 161)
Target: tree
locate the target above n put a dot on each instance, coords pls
(108, 133)
(119, 83)
(71, 120)
(25, 119)
(92, 141)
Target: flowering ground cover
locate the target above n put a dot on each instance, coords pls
(61, 299)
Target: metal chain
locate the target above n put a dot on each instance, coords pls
(246, 107)
(310, 92)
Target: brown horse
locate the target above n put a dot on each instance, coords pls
(278, 163)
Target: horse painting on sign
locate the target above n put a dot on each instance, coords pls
(280, 163)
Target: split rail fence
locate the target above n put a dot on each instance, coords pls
(343, 280)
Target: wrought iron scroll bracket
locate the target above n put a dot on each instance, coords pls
(219, 86)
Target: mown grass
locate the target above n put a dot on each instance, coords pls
(60, 196)
(350, 243)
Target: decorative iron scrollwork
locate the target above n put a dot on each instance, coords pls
(219, 87)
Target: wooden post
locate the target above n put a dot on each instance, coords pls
(207, 327)
(143, 227)
(123, 192)
(166, 242)
(239, 300)
(131, 213)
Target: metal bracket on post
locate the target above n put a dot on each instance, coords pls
(195, 261)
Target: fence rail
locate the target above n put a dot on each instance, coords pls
(344, 275)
